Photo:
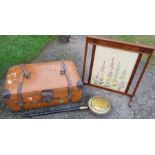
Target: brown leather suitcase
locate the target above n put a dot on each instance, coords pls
(40, 85)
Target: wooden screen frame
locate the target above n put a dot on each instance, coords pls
(117, 45)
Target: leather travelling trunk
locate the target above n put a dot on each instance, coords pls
(33, 86)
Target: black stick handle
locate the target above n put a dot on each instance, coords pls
(54, 111)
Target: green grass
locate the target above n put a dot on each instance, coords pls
(23, 49)
(141, 39)
(20, 49)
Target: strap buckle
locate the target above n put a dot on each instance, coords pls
(62, 70)
(26, 73)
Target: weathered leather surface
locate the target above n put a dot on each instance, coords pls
(43, 76)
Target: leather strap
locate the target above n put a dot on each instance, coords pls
(68, 81)
(19, 91)
(23, 74)
(26, 73)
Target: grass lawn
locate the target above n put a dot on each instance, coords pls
(145, 40)
(20, 49)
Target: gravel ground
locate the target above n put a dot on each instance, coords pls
(143, 105)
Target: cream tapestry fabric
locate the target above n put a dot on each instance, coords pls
(112, 68)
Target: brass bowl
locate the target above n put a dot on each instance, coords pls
(99, 105)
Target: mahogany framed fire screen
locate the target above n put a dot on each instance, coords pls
(113, 65)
